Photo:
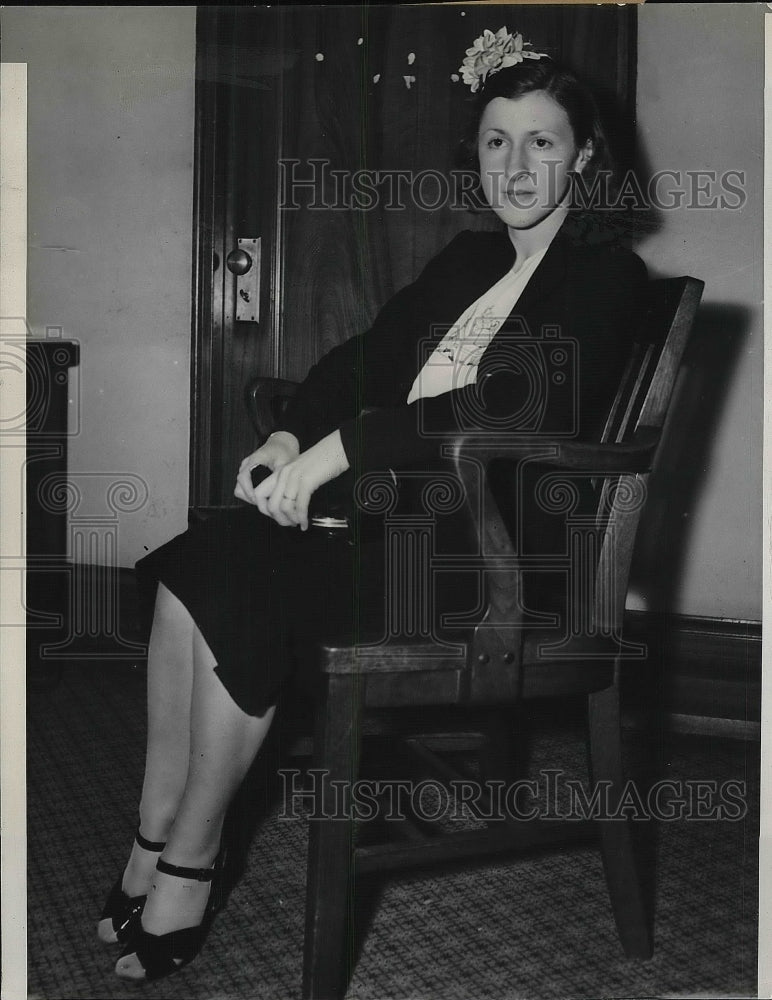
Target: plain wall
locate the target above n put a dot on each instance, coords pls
(110, 180)
(700, 107)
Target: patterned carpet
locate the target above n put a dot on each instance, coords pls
(534, 928)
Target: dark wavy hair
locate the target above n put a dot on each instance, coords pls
(565, 89)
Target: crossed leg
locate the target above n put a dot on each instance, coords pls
(200, 747)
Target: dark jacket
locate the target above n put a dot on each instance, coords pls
(589, 296)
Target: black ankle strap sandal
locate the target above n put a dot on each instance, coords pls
(164, 954)
(197, 874)
(156, 846)
(122, 913)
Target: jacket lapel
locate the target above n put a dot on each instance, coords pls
(495, 257)
(498, 258)
(547, 276)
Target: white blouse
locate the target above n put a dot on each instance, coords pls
(453, 363)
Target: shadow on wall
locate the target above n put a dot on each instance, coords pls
(677, 482)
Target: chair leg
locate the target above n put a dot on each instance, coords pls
(503, 727)
(622, 875)
(328, 955)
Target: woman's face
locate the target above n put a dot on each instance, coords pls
(527, 150)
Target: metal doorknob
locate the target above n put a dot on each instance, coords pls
(238, 261)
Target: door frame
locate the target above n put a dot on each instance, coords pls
(209, 233)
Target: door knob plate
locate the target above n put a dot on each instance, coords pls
(245, 264)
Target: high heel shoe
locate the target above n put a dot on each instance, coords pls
(161, 955)
(121, 913)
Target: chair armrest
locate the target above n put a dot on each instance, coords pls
(265, 400)
(499, 635)
(628, 457)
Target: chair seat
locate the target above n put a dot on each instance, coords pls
(425, 673)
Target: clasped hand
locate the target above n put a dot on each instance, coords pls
(285, 494)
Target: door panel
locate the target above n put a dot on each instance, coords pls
(271, 111)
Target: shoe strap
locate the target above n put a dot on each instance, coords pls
(197, 874)
(149, 845)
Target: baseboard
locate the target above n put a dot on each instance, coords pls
(701, 675)
(701, 725)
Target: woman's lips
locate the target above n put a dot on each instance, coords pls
(521, 195)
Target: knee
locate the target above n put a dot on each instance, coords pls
(170, 613)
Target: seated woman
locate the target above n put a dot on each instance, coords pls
(234, 595)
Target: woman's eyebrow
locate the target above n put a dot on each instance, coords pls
(532, 131)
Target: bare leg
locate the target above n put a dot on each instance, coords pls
(223, 743)
(169, 694)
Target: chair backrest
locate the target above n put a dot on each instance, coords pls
(598, 542)
(647, 384)
(641, 402)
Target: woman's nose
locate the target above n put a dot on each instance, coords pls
(517, 162)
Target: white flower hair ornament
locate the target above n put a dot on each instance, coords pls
(493, 52)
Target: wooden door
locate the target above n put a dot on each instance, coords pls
(326, 132)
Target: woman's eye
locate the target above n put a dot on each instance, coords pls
(496, 142)
(542, 143)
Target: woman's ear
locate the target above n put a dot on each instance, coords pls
(584, 156)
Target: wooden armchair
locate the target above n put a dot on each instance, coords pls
(507, 659)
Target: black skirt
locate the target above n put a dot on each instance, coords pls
(263, 595)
